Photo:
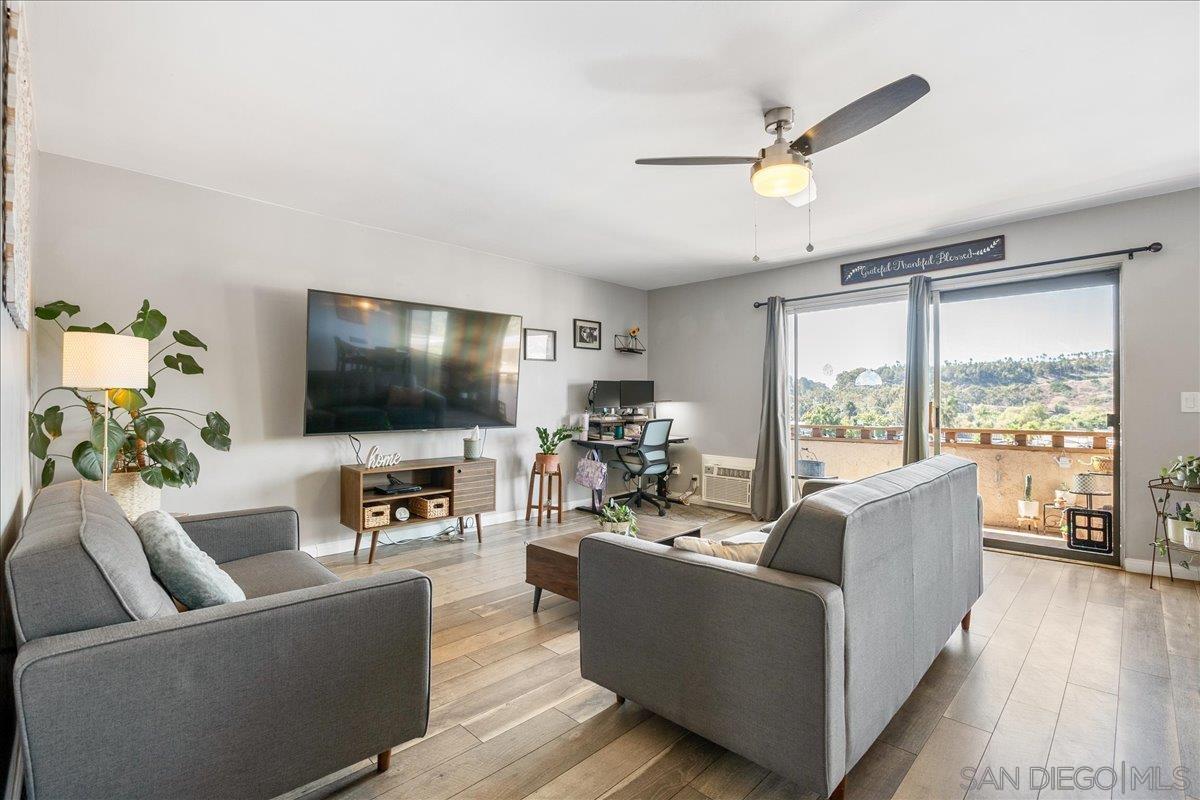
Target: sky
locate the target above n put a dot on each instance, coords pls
(1066, 321)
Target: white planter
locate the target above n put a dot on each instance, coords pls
(1060, 495)
(1191, 539)
(1177, 529)
(617, 527)
(1027, 509)
(134, 495)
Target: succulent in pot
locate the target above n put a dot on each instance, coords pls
(1179, 523)
(618, 519)
(547, 456)
(1027, 507)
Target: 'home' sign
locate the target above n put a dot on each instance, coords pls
(979, 251)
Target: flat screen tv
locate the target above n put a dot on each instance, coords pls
(379, 365)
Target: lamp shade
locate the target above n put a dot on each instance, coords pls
(104, 360)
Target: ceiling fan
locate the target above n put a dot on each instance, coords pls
(784, 170)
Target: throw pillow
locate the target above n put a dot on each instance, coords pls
(188, 573)
(746, 552)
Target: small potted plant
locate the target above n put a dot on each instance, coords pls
(618, 519)
(1060, 495)
(1179, 523)
(547, 457)
(1183, 471)
(1028, 507)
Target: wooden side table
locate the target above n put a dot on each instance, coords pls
(546, 480)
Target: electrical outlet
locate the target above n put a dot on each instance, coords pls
(674, 469)
(1189, 402)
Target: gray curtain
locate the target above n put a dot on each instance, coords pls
(916, 373)
(772, 473)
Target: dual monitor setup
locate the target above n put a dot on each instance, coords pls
(620, 394)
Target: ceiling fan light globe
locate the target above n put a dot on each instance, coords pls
(801, 199)
(781, 179)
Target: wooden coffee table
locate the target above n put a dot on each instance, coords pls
(552, 563)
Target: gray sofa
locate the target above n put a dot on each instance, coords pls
(120, 695)
(799, 661)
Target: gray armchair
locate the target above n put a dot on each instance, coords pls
(797, 662)
(120, 695)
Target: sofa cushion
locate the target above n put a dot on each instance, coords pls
(281, 571)
(188, 572)
(78, 564)
(746, 552)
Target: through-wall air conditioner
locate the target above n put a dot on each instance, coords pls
(726, 480)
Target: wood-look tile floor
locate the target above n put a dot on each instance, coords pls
(1064, 665)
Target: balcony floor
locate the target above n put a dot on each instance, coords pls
(1026, 537)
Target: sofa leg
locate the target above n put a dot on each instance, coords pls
(839, 792)
(620, 700)
(383, 761)
(966, 622)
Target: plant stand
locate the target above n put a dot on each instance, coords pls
(1164, 543)
(545, 480)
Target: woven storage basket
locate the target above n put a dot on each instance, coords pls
(134, 495)
(430, 507)
(376, 516)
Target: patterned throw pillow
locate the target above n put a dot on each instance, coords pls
(187, 572)
(741, 550)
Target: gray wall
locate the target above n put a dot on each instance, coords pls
(235, 271)
(708, 345)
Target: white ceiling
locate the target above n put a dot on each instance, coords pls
(512, 127)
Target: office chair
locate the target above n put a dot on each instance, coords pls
(646, 459)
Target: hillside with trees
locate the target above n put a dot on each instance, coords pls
(1072, 391)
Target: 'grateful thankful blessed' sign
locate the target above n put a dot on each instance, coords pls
(962, 254)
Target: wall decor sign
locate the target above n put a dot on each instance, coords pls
(375, 458)
(978, 251)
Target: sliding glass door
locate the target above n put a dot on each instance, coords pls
(1025, 384)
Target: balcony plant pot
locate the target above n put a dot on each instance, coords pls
(134, 495)
(1177, 529)
(1027, 509)
(546, 462)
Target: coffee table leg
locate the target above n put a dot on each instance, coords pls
(537, 597)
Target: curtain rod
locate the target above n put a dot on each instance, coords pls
(1153, 247)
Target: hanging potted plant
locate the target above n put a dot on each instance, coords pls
(1027, 507)
(142, 459)
(547, 456)
(1179, 523)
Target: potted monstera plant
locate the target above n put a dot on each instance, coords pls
(142, 457)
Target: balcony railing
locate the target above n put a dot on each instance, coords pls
(1052, 459)
(1080, 441)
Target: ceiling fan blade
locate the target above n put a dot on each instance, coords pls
(697, 161)
(862, 115)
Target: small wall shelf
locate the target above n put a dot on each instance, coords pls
(628, 344)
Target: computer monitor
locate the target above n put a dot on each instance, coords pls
(606, 394)
(636, 393)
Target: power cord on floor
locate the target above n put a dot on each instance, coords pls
(450, 533)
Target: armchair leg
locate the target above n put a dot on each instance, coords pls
(966, 622)
(620, 700)
(383, 761)
(839, 792)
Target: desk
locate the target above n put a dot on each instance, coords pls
(601, 445)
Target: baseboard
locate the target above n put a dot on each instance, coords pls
(1142, 566)
(346, 545)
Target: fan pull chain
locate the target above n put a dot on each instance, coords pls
(809, 249)
(754, 201)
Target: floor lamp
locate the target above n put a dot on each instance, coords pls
(104, 361)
